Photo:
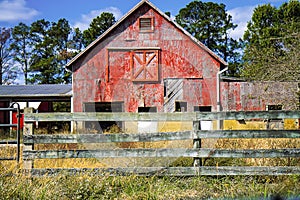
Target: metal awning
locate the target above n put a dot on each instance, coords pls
(46, 92)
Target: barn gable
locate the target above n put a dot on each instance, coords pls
(117, 25)
(145, 62)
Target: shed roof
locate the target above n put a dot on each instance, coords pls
(95, 42)
(36, 92)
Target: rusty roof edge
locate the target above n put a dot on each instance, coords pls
(161, 13)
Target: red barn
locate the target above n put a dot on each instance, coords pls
(148, 63)
(145, 63)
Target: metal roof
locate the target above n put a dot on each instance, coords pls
(49, 91)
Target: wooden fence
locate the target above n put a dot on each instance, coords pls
(196, 135)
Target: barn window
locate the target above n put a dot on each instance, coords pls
(109, 107)
(180, 106)
(274, 107)
(144, 65)
(202, 108)
(147, 109)
(274, 123)
(146, 24)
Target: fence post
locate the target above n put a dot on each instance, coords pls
(28, 130)
(196, 143)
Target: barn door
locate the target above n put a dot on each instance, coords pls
(173, 89)
(144, 65)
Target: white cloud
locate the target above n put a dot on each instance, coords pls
(240, 16)
(86, 19)
(13, 10)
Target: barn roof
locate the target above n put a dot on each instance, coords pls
(36, 92)
(127, 15)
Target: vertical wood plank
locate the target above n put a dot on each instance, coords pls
(107, 66)
(28, 130)
(196, 143)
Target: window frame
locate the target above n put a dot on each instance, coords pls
(151, 28)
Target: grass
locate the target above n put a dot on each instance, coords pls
(132, 187)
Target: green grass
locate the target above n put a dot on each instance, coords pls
(19, 186)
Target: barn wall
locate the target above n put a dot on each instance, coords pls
(104, 73)
(237, 96)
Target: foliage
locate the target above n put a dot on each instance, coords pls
(44, 48)
(97, 27)
(210, 23)
(7, 72)
(134, 187)
(50, 53)
(21, 47)
(272, 43)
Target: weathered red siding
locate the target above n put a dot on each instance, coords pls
(104, 73)
(248, 96)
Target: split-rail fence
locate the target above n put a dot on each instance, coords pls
(196, 152)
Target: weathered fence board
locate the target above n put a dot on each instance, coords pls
(248, 134)
(105, 138)
(244, 115)
(45, 117)
(168, 171)
(161, 136)
(140, 153)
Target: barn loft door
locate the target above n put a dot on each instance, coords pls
(144, 65)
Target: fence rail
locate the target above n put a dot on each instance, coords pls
(170, 171)
(195, 116)
(163, 136)
(196, 135)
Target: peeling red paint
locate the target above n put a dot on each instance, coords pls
(104, 74)
(135, 67)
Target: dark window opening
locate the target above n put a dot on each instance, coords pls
(274, 107)
(165, 91)
(202, 108)
(275, 123)
(146, 24)
(180, 106)
(147, 109)
(110, 107)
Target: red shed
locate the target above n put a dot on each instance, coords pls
(145, 63)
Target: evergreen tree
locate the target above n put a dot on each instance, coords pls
(97, 27)
(21, 47)
(272, 43)
(210, 23)
(50, 52)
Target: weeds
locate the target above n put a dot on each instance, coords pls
(135, 187)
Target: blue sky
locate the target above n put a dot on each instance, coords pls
(80, 12)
